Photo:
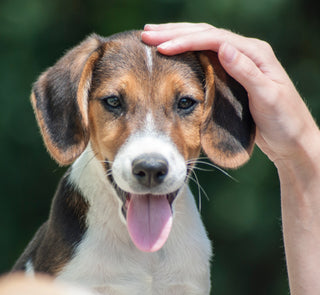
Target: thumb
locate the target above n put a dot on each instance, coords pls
(241, 68)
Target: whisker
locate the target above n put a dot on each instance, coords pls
(109, 172)
(199, 191)
(200, 186)
(202, 169)
(84, 166)
(107, 161)
(195, 162)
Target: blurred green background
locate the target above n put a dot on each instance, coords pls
(243, 218)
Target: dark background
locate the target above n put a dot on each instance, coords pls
(243, 218)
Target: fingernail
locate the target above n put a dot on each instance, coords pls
(145, 34)
(228, 52)
(149, 27)
(165, 46)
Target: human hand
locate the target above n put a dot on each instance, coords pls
(285, 127)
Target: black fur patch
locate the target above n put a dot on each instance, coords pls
(232, 116)
(56, 240)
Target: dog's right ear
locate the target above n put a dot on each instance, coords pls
(60, 101)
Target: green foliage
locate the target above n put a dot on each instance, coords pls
(243, 218)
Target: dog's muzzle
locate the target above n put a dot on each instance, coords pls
(148, 216)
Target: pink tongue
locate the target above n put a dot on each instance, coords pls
(149, 221)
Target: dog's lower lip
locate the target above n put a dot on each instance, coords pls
(170, 197)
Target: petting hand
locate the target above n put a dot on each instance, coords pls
(283, 121)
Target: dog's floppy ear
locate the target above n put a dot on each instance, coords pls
(228, 130)
(60, 101)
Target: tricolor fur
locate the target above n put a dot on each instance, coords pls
(132, 122)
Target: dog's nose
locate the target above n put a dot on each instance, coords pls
(150, 169)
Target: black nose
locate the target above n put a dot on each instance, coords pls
(150, 169)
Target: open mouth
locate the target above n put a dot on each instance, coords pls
(149, 219)
(148, 216)
(126, 198)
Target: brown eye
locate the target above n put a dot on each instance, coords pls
(113, 104)
(112, 101)
(186, 105)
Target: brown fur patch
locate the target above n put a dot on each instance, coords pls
(84, 87)
(142, 92)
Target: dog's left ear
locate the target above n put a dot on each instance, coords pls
(60, 101)
(228, 130)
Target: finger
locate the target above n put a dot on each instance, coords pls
(157, 37)
(242, 68)
(180, 37)
(194, 41)
(171, 42)
(175, 26)
(157, 34)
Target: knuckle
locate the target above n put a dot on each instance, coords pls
(264, 46)
(250, 71)
(280, 92)
(225, 32)
(274, 96)
(205, 26)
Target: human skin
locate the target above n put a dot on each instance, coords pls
(286, 133)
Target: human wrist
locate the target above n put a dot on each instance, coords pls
(303, 161)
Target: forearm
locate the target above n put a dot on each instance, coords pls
(300, 198)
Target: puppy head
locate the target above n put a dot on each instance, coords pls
(147, 117)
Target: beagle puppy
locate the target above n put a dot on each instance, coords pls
(132, 122)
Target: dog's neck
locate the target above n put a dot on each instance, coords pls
(90, 178)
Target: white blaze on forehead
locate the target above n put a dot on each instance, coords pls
(150, 126)
(149, 58)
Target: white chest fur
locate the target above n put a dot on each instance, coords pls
(107, 261)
